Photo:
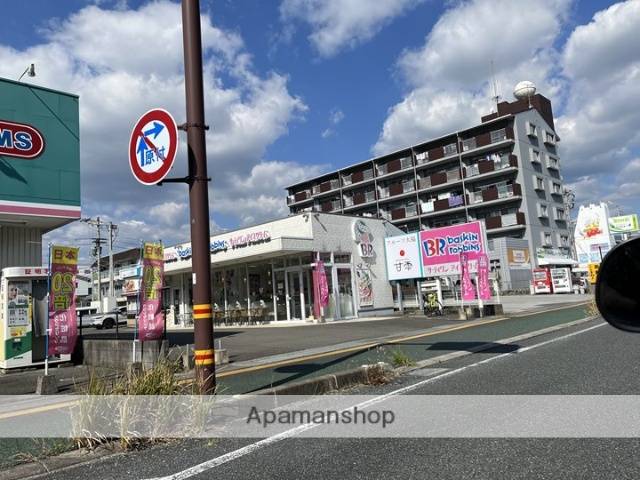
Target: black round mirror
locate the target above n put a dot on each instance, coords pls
(618, 286)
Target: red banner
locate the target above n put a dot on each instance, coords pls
(63, 330)
(468, 289)
(483, 277)
(151, 318)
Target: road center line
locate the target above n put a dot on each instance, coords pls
(241, 452)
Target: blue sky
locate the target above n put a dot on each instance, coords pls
(298, 87)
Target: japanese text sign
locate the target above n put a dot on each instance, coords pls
(63, 330)
(151, 319)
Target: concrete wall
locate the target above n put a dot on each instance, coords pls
(118, 354)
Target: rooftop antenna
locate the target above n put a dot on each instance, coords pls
(494, 85)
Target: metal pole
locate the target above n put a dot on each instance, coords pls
(111, 294)
(99, 254)
(46, 338)
(198, 197)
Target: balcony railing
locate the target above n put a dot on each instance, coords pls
(553, 163)
(359, 198)
(404, 212)
(502, 221)
(453, 201)
(422, 157)
(357, 177)
(485, 166)
(468, 144)
(495, 192)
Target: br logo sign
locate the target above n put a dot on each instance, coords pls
(434, 247)
(20, 140)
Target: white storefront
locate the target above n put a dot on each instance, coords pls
(263, 273)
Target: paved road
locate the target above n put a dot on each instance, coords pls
(600, 360)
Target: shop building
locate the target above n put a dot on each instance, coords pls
(264, 273)
(39, 168)
(504, 171)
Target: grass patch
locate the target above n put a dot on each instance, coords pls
(401, 359)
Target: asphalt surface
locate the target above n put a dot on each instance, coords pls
(601, 360)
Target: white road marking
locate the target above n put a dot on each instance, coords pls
(241, 452)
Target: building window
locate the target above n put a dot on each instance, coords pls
(535, 156)
(538, 183)
(532, 130)
(543, 210)
(450, 149)
(560, 215)
(549, 137)
(564, 240)
(546, 238)
(557, 188)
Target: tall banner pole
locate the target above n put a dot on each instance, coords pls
(204, 357)
(46, 338)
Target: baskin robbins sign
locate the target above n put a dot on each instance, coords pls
(216, 245)
(441, 248)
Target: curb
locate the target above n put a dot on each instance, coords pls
(57, 463)
(364, 375)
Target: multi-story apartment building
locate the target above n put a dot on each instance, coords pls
(504, 171)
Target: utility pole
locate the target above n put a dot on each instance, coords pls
(112, 228)
(204, 358)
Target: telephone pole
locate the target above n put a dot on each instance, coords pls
(97, 250)
(204, 357)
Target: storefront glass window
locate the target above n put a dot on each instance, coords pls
(260, 292)
(345, 293)
(342, 258)
(218, 290)
(281, 295)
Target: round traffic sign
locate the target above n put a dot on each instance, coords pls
(152, 146)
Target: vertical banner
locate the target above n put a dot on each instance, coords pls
(62, 327)
(365, 285)
(150, 319)
(321, 288)
(468, 290)
(483, 277)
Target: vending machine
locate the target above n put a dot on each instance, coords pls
(541, 280)
(23, 317)
(561, 280)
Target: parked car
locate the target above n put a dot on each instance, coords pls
(108, 320)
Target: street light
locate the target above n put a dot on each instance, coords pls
(30, 71)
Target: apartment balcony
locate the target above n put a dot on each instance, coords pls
(505, 222)
(394, 167)
(356, 178)
(487, 141)
(395, 190)
(331, 206)
(404, 212)
(359, 199)
(495, 194)
(435, 206)
(325, 187)
(299, 197)
(484, 168)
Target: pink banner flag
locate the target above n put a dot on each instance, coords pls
(483, 277)
(320, 289)
(151, 319)
(63, 330)
(468, 289)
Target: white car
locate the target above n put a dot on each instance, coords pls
(107, 320)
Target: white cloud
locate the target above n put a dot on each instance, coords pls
(335, 117)
(600, 128)
(123, 62)
(449, 76)
(342, 24)
(259, 196)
